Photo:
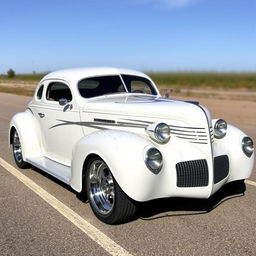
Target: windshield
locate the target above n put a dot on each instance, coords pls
(98, 86)
(137, 84)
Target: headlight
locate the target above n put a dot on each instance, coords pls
(159, 132)
(247, 146)
(220, 129)
(154, 160)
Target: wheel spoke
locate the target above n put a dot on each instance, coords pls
(101, 187)
(93, 175)
(17, 148)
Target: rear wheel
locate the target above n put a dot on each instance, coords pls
(17, 151)
(107, 200)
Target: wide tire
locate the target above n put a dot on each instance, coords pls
(17, 151)
(107, 200)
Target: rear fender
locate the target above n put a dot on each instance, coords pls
(29, 134)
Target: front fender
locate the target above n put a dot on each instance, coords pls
(240, 166)
(28, 131)
(123, 152)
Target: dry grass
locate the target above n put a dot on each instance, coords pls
(206, 80)
(24, 77)
(26, 91)
(215, 96)
(25, 84)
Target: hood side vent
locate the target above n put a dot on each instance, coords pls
(191, 134)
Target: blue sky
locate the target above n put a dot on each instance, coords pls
(149, 35)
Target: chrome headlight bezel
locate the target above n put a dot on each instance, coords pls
(247, 146)
(153, 159)
(159, 132)
(220, 129)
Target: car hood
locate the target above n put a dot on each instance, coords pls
(142, 107)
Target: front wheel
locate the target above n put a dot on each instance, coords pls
(17, 151)
(107, 200)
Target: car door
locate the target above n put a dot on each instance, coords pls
(60, 124)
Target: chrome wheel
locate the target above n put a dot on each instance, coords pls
(108, 201)
(101, 187)
(17, 152)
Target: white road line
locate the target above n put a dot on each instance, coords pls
(250, 182)
(95, 234)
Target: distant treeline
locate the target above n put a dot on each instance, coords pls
(181, 80)
(25, 77)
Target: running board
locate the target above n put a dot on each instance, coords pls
(59, 171)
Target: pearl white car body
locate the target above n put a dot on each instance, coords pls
(60, 135)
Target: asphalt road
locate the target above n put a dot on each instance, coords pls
(222, 225)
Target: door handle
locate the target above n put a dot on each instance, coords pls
(41, 115)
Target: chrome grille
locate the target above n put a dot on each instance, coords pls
(192, 173)
(191, 134)
(212, 134)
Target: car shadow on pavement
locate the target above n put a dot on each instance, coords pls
(156, 209)
(52, 178)
(81, 196)
(170, 207)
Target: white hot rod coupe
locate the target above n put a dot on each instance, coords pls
(109, 133)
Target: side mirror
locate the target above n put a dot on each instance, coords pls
(165, 92)
(63, 101)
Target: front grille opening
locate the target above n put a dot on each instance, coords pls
(192, 173)
(221, 168)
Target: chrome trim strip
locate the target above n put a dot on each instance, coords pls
(190, 138)
(178, 130)
(104, 121)
(196, 128)
(28, 108)
(146, 122)
(185, 134)
(131, 124)
(197, 142)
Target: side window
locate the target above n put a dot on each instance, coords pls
(40, 92)
(57, 90)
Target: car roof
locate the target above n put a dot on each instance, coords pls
(76, 74)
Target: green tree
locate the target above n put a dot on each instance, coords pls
(11, 73)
